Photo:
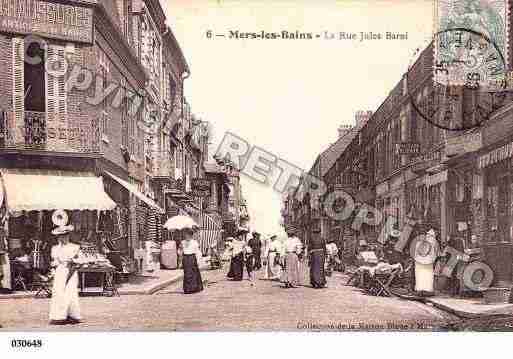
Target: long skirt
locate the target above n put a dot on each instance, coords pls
(424, 277)
(64, 303)
(304, 272)
(272, 270)
(192, 282)
(317, 274)
(237, 267)
(291, 269)
(230, 271)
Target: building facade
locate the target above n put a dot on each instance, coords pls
(456, 182)
(105, 102)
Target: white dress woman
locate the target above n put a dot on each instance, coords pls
(424, 272)
(64, 306)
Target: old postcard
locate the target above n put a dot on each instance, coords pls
(285, 166)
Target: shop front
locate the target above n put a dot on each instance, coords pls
(148, 217)
(33, 203)
(497, 168)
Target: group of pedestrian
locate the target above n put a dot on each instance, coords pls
(287, 261)
(244, 254)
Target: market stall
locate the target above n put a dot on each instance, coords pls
(34, 202)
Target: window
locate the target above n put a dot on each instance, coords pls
(35, 94)
(104, 126)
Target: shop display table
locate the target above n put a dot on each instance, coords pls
(107, 286)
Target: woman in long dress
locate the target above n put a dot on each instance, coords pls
(317, 263)
(64, 305)
(424, 272)
(292, 248)
(192, 282)
(237, 263)
(273, 269)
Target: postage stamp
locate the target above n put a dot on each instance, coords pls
(470, 58)
(488, 17)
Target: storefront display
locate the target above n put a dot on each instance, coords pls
(29, 213)
(498, 207)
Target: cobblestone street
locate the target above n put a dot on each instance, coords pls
(225, 305)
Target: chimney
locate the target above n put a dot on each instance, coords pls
(362, 117)
(344, 130)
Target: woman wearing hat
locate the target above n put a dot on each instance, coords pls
(192, 282)
(237, 249)
(64, 306)
(293, 247)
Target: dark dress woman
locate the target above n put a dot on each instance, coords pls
(237, 262)
(192, 282)
(317, 259)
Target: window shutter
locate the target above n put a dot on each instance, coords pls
(61, 89)
(18, 88)
(51, 90)
(56, 107)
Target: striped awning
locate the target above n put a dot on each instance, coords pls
(210, 233)
(132, 189)
(38, 190)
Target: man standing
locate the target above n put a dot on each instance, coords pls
(256, 247)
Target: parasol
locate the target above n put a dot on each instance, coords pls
(180, 222)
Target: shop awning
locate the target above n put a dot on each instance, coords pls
(38, 190)
(133, 189)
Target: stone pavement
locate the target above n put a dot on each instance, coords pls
(471, 307)
(236, 306)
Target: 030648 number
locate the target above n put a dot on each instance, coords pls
(26, 343)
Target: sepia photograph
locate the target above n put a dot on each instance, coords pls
(334, 166)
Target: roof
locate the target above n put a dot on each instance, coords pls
(332, 153)
(171, 40)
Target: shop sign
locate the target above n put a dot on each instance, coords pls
(497, 155)
(436, 178)
(47, 19)
(463, 144)
(407, 148)
(201, 187)
(382, 188)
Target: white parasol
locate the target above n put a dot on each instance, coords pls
(180, 222)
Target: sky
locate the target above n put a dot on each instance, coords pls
(290, 96)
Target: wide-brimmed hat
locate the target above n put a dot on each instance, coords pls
(395, 233)
(291, 229)
(256, 233)
(61, 230)
(242, 230)
(273, 236)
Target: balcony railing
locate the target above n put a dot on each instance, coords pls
(32, 131)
